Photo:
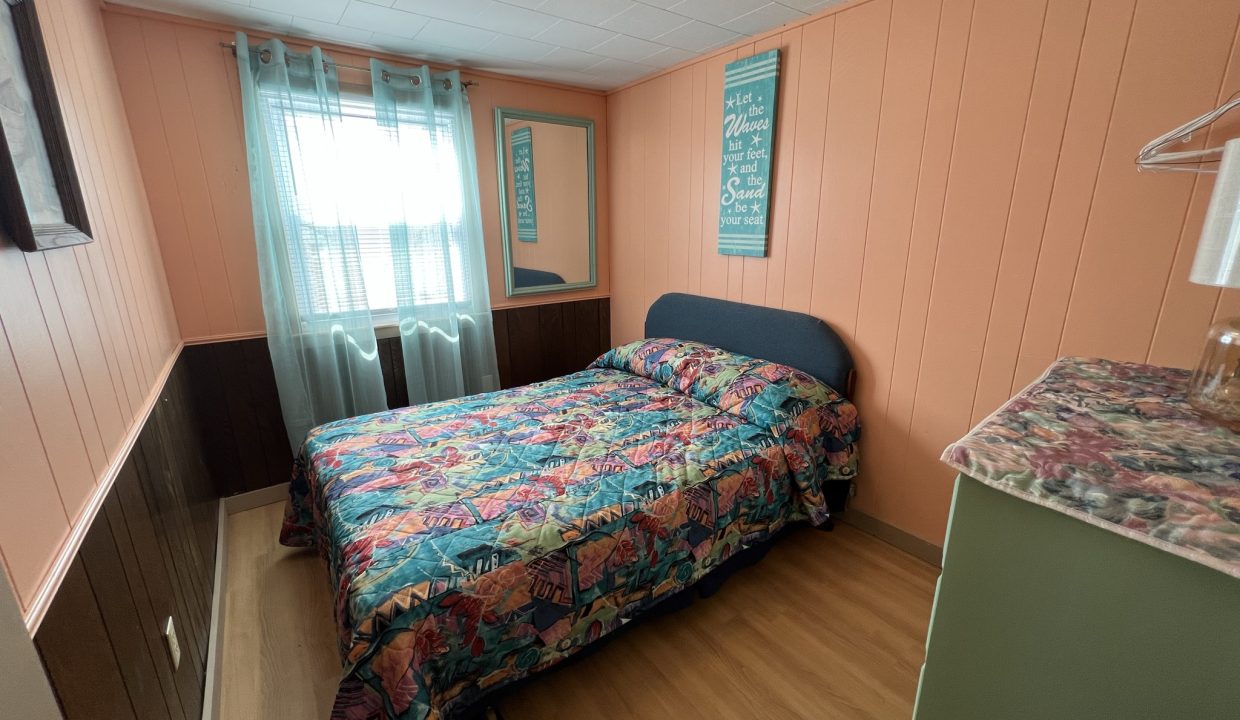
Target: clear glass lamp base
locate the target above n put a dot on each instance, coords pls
(1215, 387)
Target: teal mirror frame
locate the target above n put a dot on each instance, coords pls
(507, 231)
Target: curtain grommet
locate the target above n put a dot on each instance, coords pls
(264, 56)
(415, 80)
(386, 76)
(447, 84)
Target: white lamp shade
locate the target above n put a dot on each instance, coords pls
(1218, 252)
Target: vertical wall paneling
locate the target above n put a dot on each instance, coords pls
(168, 71)
(1089, 117)
(180, 93)
(544, 341)
(75, 619)
(1002, 54)
(147, 556)
(1062, 32)
(818, 41)
(87, 331)
(902, 129)
(1150, 206)
(234, 391)
(859, 53)
(679, 163)
(954, 192)
(1183, 299)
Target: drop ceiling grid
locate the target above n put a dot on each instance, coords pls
(599, 44)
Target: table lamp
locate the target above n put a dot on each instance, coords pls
(1215, 387)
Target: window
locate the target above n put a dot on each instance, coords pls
(395, 196)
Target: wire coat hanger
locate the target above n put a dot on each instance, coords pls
(1152, 156)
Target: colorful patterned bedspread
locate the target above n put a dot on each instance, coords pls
(475, 541)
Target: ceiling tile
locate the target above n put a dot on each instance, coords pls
(328, 11)
(570, 59)
(623, 47)
(365, 16)
(457, 10)
(644, 21)
(513, 20)
(426, 50)
(591, 43)
(486, 14)
(668, 57)
(397, 44)
(575, 35)
(620, 71)
(810, 6)
(452, 34)
(697, 37)
(507, 46)
(590, 13)
(568, 77)
(330, 31)
(716, 12)
(255, 17)
(506, 66)
(764, 18)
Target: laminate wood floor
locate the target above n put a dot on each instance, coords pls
(828, 625)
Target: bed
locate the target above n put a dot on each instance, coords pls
(475, 542)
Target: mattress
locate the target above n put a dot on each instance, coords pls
(473, 542)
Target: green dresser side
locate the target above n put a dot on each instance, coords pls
(1039, 615)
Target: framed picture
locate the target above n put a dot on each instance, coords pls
(41, 204)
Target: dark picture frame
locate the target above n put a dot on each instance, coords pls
(15, 216)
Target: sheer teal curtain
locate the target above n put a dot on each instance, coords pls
(319, 326)
(443, 303)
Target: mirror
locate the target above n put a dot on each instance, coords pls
(546, 181)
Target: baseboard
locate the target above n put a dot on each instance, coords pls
(215, 655)
(909, 543)
(256, 498)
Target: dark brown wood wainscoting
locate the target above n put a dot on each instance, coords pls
(149, 555)
(238, 416)
(540, 342)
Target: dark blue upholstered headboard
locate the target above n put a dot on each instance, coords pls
(527, 277)
(791, 338)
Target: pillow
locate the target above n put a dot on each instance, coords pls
(760, 392)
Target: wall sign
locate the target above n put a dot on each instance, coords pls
(749, 89)
(523, 184)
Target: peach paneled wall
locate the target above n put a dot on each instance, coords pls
(954, 191)
(87, 332)
(182, 96)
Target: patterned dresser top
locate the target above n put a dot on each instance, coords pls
(1118, 446)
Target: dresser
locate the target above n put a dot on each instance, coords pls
(1092, 562)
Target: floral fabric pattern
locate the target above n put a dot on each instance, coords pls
(1118, 445)
(475, 541)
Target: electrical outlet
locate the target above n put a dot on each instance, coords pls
(174, 647)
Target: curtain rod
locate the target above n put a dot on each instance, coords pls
(233, 46)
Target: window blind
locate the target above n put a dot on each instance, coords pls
(356, 193)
